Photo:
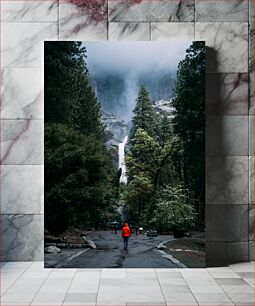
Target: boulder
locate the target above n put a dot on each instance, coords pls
(91, 244)
(52, 250)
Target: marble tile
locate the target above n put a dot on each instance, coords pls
(241, 299)
(151, 10)
(251, 69)
(23, 43)
(81, 297)
(238, 251)
(227, 180)
(22, 237)
(172, 31)
(251, 250)
(29, 11)
(213, 299)
(251, 222)
(251, 10)
(22, 93)
(227, 223)
(22, 189)
(226, 94)
(227, 42)
(83, 20)
(180, 299)
(129, 31)
(227, 136)
(251, 135)
(22, 142)
(251, 180)
(234, 10)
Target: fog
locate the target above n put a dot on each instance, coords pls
(134, 61)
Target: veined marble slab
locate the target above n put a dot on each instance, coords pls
(22, 237)
(227, 180)
(22, 189)
(213, 10)
(226, 94)
(151, 10)
(22, 93)
(172, 31)
(228, 43)
(83, 21)
(129, 31)
(22, 43)
(23, 10)
(22, 142)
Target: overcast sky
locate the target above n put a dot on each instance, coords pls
(134, 56)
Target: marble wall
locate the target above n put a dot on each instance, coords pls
(228, 29)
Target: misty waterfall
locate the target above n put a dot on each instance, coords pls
(122, 164)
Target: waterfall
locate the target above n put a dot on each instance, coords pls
(122, 164)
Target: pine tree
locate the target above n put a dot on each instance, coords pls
(144, 114)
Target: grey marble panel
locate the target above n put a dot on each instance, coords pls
(251, 10)
(228, 43)
(227, 223)
(251, 69)
(22, 93)
(23, 42)
(22, 142)
(251, 222)
(22, 237)
(22, 189)
(216, 252)
(80, 20)
(251, 180)
(172, 31)
(227, 135)
(226, 94)
(152, 10)
(129, 31)
(237, 252)
(234, 10)
(23, 10)
(251, 135)
(251, 250)
(227, 180)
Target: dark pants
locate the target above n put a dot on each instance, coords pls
(125, 242)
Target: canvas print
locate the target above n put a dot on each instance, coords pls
(124, 153)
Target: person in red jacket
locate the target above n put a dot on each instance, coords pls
(126, 233)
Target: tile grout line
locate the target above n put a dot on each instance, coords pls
(40, 286)
(69, 286)
(160, 287)
(14, 281)
(101, 271)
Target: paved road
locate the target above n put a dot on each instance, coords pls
(109, 253)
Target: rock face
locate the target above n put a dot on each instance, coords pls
(116, 127)
(52, 250)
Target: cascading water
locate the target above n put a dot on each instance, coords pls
(122, 164)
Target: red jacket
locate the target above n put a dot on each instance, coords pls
(126, 231)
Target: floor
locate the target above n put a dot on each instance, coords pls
(27, 283)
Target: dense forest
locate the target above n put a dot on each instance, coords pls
(164, 155)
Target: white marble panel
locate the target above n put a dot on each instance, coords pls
(22, 189)
(234, 10)
(22, 142)
(172, 31)
(129, 31)
(152, 10)
(227, 180)
(22, 237)
(228, 43)
(22, 43)
(22, 93)
(81, 20)
(23, 10)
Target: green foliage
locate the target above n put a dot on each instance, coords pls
(144, 114)
(172, 211)
(189, 121)
(80, 180)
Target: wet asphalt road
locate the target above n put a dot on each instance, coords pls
(142, 253)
